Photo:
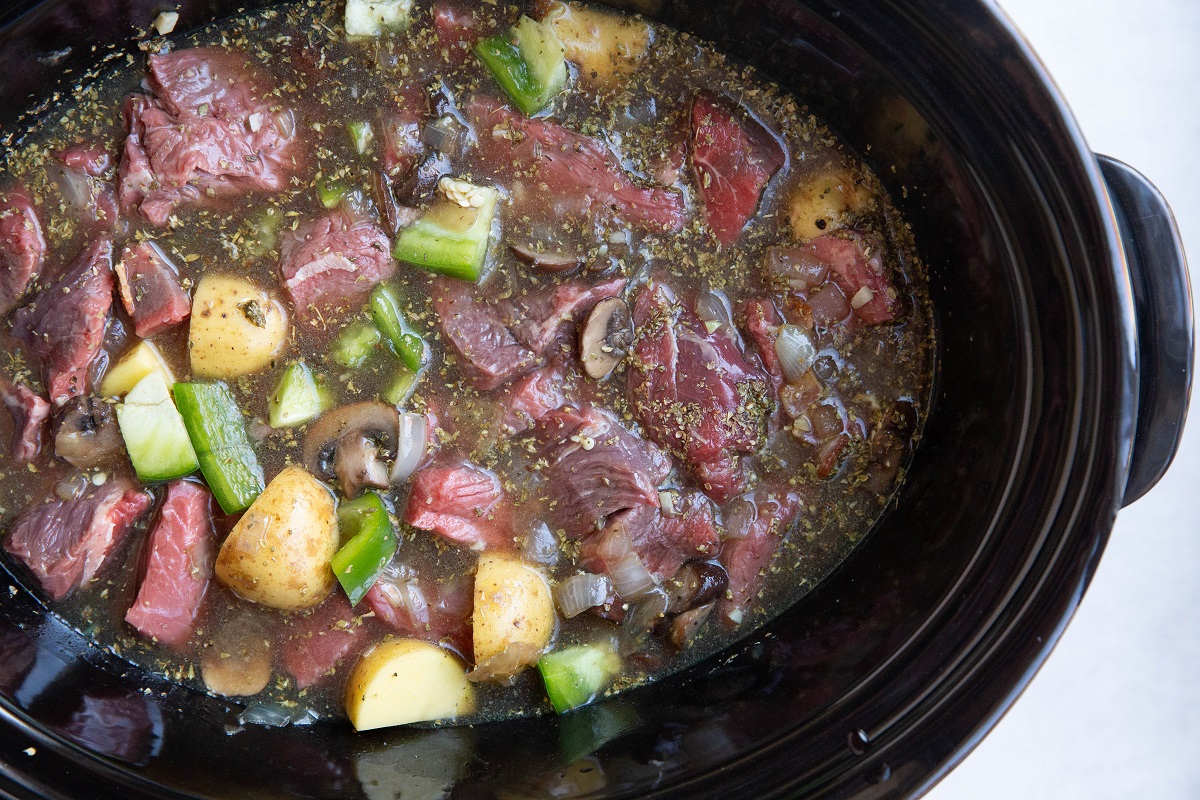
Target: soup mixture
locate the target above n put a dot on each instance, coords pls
(442, 362)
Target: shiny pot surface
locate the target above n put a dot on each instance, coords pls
(1066, 341)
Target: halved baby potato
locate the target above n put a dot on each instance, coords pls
(237, 328)
(278, 553)
(513, 619)
(605, 46)
(820, 202)
(407, 680)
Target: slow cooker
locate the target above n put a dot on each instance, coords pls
(1065, 368)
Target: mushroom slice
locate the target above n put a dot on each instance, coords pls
(685, 627)
(545, 260)
(605, 337)
(354, 443)
(696, 583)
(86, 433)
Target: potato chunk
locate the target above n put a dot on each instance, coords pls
(140, 361)
(819, 204)
(278, 553)
(513, 619)
(236, 328)
(607, 47)
(407, 680)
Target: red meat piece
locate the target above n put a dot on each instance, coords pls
(762, 323)
(317, 640)
(179, 566)
(438, 612)
(695, 393)
(22, 247)
(595, 468)
(64, 543)
(568, 168)
(494, 343)
(457, 27)
(733, 158)
(484, 348)
(210, 128)
(748, 552)
(150, 289)
(831, 271)
(855, 264)
(333, 261)
(534, 396)
(401, 128)
(663, 543)
(64, 325)
(537, 318)
(29, 413)
(463, 503)
(80, 176)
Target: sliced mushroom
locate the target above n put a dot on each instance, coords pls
(685, 627)
(546, 260)
(606, 336)
(237, 663)
(86, 433)
(393, 215)
(354, 444)
(696, 583)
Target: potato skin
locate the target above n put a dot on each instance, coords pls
(407, 680)
(606, 46)
(278, 553)
(236, 328)
(818, 204)
(513, 605)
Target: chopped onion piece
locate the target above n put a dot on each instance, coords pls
(796, 350)
(631, 578)
(503, 667)
(714, 307)
(540, 544)
(269, 715)
(862, 297)
(411, 446)
(578, 593)
(667, 502)
(649, 611)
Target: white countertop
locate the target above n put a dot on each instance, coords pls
(1115, 712)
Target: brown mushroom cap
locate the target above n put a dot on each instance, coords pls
(353, 442)
(605, 337)
(86, 433)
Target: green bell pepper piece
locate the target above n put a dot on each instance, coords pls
(369, 544)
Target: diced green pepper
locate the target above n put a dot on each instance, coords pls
(577, 675)
(264, 232)
(369, 542)
(402, 386)
(361, 135)
(355, 344)
(218, 433)
(154, 434)
(451, 239)
(331, 192)
(297, 398)
(531, 71)
(407, 343)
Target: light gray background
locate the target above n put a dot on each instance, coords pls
(1115, 712)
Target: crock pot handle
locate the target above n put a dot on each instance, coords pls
(1163, 300)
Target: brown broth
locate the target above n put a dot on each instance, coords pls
(296, 44)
